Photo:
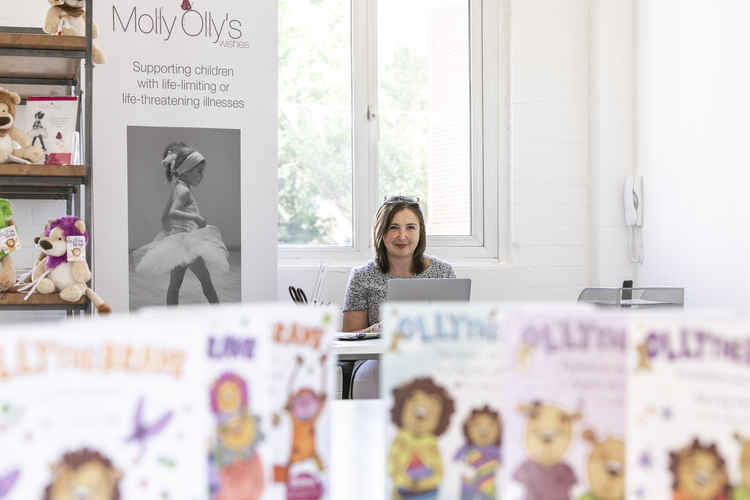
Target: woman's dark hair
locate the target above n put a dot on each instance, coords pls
(180, 150)
(383, 218)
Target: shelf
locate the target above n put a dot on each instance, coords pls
(41, 56)
(34, 41)
(42, 175)
(22, 170)
(37, 301)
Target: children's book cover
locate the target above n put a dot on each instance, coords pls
(442, 380)
(301, 384)
(564, 407)
(689, 410)
(101, 410)
(238, 351)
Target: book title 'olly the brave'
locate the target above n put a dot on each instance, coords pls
(191, 22)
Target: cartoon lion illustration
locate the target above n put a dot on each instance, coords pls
(84, 474)
(483, 432)
(234, 462)
(742, 490)
(422, 411)
(606, 468)
(699, 473)
(549, 430)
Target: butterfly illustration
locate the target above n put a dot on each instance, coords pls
(143, 432)
(8, 481)
(186, 5)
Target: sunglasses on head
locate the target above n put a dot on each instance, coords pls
(393, 200)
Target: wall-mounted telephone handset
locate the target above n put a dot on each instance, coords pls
(633, 205)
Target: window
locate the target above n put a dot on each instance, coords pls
(381, 97)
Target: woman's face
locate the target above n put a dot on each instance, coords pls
(402, 236)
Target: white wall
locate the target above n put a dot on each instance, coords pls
(566, 228)
(693, 81)
(27, 13)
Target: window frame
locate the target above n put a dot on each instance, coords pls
(486, 109)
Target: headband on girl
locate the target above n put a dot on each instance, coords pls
(193, 160)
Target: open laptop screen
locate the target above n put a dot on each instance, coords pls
(428, 290)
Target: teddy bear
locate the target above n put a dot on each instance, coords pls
(63, 269)
(605, 468)
(483, 433)
(7, 266)
(549, 430)
(422, 412)
(67, 17)
(10, 134)
(699, 473)
(742, 490)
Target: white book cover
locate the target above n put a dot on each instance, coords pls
(442, 380)
(564, 407)
(689, 410)
(101, 409)
(51, 123)
(301, 383)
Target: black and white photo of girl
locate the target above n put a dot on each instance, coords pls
(38, 130)
(184, 216)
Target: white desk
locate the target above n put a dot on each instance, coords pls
(348, 350)
(358, 449)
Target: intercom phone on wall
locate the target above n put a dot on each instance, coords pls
(633, 204)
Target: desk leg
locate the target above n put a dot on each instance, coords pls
(347, 367)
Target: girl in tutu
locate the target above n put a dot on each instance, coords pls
(185, 241)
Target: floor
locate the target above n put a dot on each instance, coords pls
(149, 291)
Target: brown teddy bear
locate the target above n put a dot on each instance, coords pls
(606, 468)
(699, 473)
(68, 17)
(549, 430)
(62, 267)
(422, 411)
(9, 133)
(7, 266)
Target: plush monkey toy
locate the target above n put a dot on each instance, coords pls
(67, 17)
(10, 133)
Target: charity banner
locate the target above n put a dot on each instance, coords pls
(688, 409)
(442, 380)
(184, 161)
(564, 407)
(101, 409)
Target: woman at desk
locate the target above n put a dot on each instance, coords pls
(399, 239)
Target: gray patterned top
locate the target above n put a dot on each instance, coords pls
(368, 285)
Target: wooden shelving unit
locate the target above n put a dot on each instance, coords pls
(29, 57)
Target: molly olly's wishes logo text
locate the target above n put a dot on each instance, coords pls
(223, 30)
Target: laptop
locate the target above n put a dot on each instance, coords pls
(421, 290)
(429, 290)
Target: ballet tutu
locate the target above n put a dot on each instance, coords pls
(170, 250)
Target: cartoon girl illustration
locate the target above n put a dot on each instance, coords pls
(483, 430)
(185, 241)
(234, 463)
